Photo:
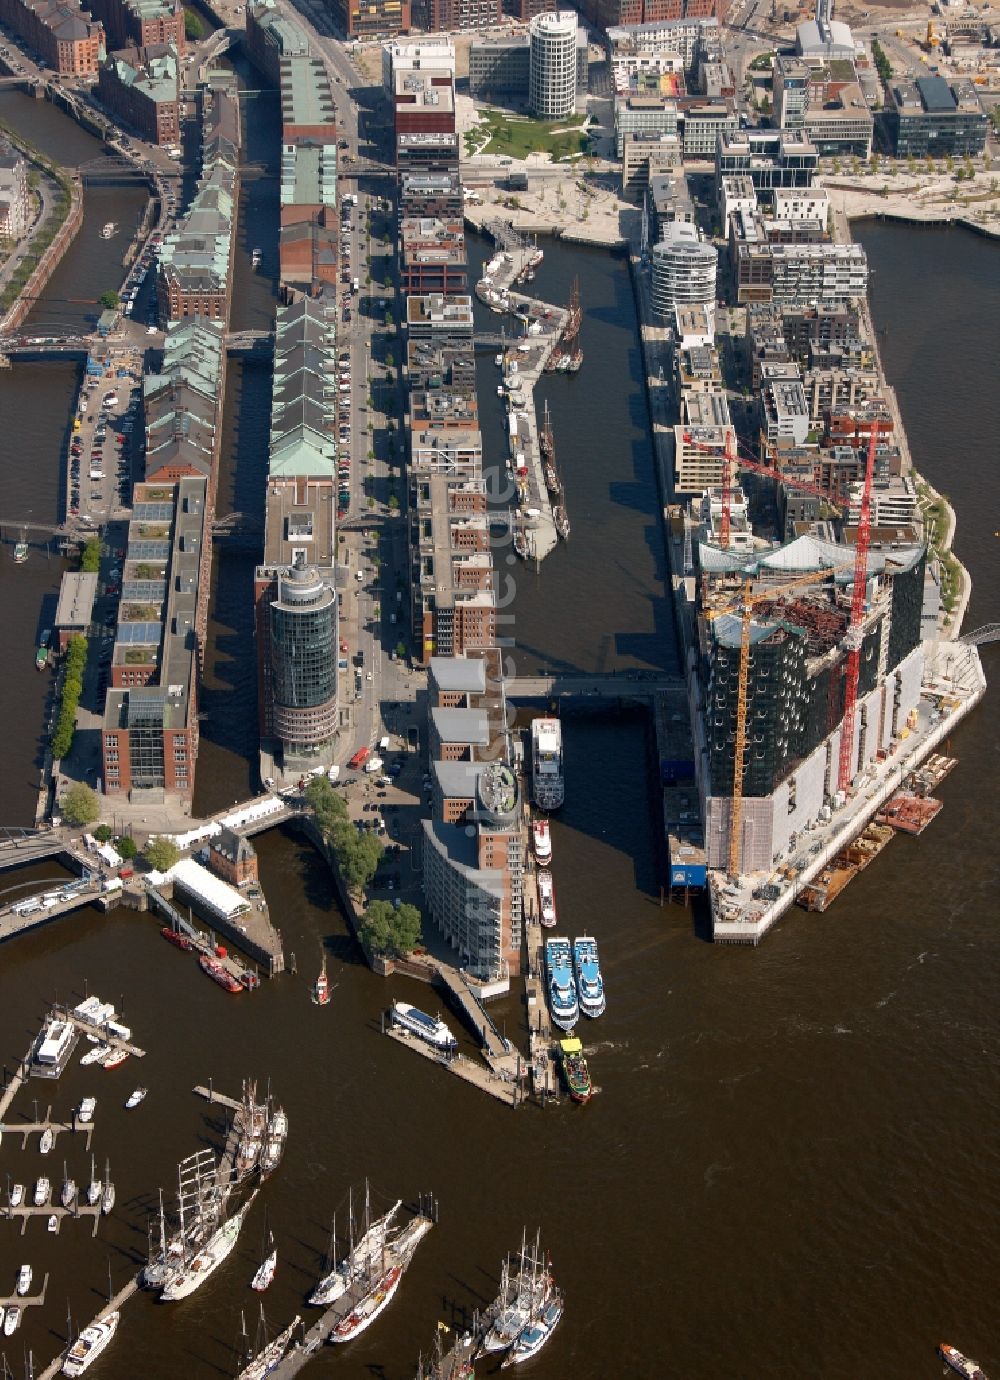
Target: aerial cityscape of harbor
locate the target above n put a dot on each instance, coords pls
(499, 535)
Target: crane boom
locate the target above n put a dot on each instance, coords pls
(845, 773)
(747, 599)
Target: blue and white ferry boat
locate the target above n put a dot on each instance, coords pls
(425, 1027)
(563, 1003)
(589, 982)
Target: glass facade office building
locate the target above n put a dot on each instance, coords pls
(303, 648)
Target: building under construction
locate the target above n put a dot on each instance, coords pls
(796, 687)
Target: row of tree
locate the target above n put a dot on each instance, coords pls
(358, 854)
(386, 928)
(70, 692)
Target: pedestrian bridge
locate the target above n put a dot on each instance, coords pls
(989, 632)
(577, 685)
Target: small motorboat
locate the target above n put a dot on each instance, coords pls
(95, 1055)
(108, 1198)
(42, 1190)
(24, 1280)
(87, 1108)
(17, 1195)
(53, 1223)
(113, 1058)
(47, 1141)
(134, 1098)
(12, 1321)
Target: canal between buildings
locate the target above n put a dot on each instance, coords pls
(792, 1164)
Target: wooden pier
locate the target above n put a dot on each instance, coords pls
(26, 1300)
(112, 1306)
(24, 1129)
(225, 1176)
(56, 1210)
(400, 1252)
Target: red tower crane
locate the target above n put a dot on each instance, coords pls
(854, 631)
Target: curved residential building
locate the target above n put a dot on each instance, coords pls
(552, 65)
(684, 270)
(303, 650)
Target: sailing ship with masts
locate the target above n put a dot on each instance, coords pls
(269, 1354)
(526, 1287)
(199, 1206)
(342, 1274)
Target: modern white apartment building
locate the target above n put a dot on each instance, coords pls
(684, 270)
(552, 65)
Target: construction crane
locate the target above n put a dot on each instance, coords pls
(855, 631)
(734, 460)
(746, 602)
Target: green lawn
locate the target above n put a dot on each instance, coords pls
(515, 138)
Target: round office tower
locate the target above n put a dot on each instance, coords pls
(684, 269)
(552, 65)
(303, 660)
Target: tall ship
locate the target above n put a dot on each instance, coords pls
(251, 1122)
(90, 1343)
(370, 1246)
(563, 1002)
(589, 982)
(199, 1205)
(547, 763)
(380, 1292)
(524, 1287)
(270, 1356)
(537, 1333)
(962, 1365)
(195, 1269)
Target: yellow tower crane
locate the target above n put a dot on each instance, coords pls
(746, 602)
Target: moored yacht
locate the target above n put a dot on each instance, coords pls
(546, 899)
(563, 1003)
(90, 1343)
(24, 1275)
(43, 1190)
(541, 837)
(589, 982)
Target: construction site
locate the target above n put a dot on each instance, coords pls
(816, 696)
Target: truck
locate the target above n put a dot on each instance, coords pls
(355, 285)
(360, 758)
(373, 765)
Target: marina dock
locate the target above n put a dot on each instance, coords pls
(26, 1129)
(55, 1210)
(400, 1252)
(121, 1298)
(504, 1090)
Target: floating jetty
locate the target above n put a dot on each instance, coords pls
(47, 1210)
(26, 1300)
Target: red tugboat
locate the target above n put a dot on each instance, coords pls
(321, 990)
(175, 937)
(218, 973)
